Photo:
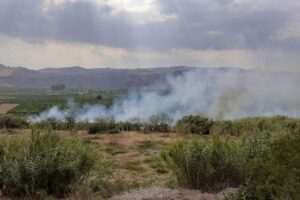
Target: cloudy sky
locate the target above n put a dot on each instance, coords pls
(150, 33)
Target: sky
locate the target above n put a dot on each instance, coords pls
(262, 34)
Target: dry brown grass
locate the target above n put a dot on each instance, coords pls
(4, 108)
(129, 150)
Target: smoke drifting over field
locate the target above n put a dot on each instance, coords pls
(219, 94)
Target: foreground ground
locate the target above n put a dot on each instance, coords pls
(159, 193)
(136, 155)
(136, 160)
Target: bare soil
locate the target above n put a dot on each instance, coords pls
(4, 108)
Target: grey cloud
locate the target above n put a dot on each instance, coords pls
(23, 19)
(200, 25)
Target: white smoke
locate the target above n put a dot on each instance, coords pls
(219, 94)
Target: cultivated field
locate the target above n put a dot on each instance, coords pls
(5, 107)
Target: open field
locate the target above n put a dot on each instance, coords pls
(4, 108)
(135, 155)
(193, 158)
(136, 160)
(157, 166)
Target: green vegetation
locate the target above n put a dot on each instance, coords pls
(275, 174)
(145, 145)
(203, 125)
(34, 102)
(204, 165)
(115, 149)
(12, 122)
(157, 163)
(259, 155)
(255, 124)
(264, 165)
(194, 124)
(106, 125)
(103, 126)
(44, 164)
(134, 166)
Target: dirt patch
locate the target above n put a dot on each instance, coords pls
(132, 139)
(4, 108)
(157, 193)
(136, 155)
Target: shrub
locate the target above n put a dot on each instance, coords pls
(159, 123)
(194, 124)
(93, 129)
(276, 174)
(12, 122)
(255, 124)
(264, 165)
(130, 126)
(102, 126)
(113, 131)
(199, 164)
(45, 163)
(50, 124)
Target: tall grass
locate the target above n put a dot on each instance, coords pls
(274, 174)
(255, 124)
(265, 165)
(194, 124)
(44, 163)
(208, 166)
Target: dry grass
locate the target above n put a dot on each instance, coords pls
(4, 108)
(129, 150)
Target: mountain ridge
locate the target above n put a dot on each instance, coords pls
(96, 78)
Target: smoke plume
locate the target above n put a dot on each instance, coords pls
(219, 94)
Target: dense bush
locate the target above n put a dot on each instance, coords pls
(203, 125)
(11, 122)
(255, 124)
(160, 123)
(194, 124)
(101, 126)
(44, 164)
(199, 164)
(276, 174)
(265, 165)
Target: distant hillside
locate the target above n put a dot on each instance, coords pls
(78, 77)
(97, 78)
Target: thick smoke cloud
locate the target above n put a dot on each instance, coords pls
(219, 94)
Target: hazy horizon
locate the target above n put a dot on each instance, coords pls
(155, 67)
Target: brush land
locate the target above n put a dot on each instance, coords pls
(195, 158)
